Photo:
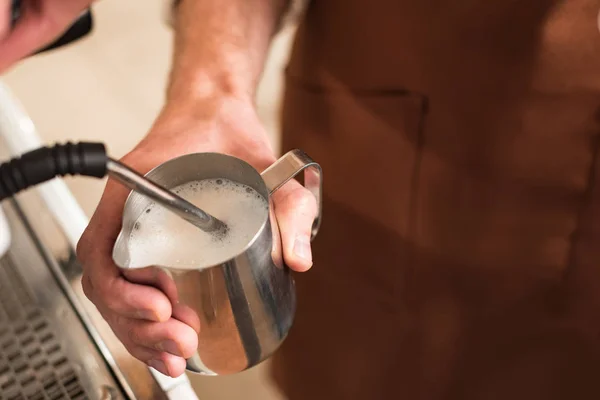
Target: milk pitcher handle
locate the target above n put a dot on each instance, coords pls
(290, 165)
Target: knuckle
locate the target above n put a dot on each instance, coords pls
(105, 296)
(189, 348)
(87, 286)
(134, 335)
(308, 201)
(132, 349)
(302, 199)
(82, 247)
(119, 325)
(291, 192)
(189, 340)
(187, 351)
(136, 350)
(107, 315)
(120, 321)
(110, 303)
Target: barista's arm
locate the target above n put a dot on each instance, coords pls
(220, 48)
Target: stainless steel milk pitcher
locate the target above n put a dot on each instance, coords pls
(246, 304)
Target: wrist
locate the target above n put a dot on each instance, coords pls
(204, 87)
(203, 116)
(209, 103)
(220, 122)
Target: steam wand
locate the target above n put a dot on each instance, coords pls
(90, 159)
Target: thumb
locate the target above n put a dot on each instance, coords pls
(295, 209)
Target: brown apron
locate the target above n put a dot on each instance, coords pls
(459, 256)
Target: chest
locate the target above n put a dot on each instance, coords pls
(548, 44)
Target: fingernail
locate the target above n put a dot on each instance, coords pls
(170, 347)
(302, 248)
(147, 314)
(159, 366)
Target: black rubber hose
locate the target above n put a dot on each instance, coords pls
(46, 163)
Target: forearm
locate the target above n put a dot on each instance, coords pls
(220, 47)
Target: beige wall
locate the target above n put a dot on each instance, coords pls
(109, 88)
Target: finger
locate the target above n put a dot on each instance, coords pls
(103, 229)
(128, 331)
(86, 285)
(277, 251)
(107, 288)
(186, 315)
(128, 299)
(105, 223)
(106, 285)
(172, 336)
(295, 208)
(165, 363)
(168, 364)
(161, 280)
(155, 277)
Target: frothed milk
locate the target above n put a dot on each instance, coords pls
(160, 237)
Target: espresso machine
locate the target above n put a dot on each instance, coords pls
(53, 342)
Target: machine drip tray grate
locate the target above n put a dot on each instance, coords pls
(33, 363)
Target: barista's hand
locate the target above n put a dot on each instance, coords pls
(148, 320)
(41, 22)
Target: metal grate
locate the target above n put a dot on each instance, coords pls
(33, 365)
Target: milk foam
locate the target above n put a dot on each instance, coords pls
(160, 237)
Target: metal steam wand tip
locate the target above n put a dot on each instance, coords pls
(165, 198)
